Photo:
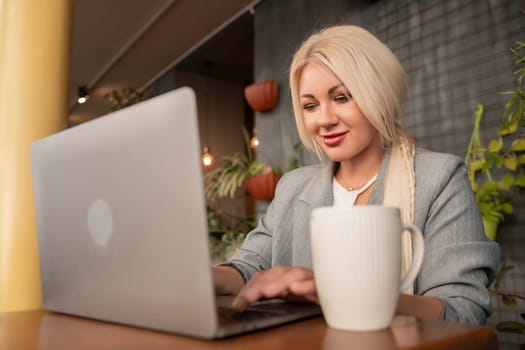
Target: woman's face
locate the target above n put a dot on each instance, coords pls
(333, 118)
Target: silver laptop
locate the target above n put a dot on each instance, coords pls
(122, 226)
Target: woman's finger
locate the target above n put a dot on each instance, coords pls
(274, 283)
(306, 289)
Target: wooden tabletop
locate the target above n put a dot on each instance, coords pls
(42, 330)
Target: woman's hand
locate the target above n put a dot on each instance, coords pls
(426, 308)
(291, 283)
(226, 280)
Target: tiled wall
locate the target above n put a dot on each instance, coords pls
(456, 55)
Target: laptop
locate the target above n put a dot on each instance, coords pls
(122, 224)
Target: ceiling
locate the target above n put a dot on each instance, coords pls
(132, 43)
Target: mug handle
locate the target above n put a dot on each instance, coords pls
(418, 249)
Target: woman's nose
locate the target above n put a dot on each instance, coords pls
(327, 116)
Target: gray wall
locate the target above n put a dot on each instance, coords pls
(456, 55)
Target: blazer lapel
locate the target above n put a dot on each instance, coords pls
(318, 193)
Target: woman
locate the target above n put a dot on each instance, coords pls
(347, 89)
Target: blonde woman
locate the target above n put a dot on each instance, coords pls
(347, 89)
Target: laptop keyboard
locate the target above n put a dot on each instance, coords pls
(252, 314)
(263, 314)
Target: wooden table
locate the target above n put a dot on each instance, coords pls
(31, 330)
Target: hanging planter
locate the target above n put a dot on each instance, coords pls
(262, 186)
(262, 96)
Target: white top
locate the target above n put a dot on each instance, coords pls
(345, 198)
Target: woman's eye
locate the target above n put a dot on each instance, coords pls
(309, 107)
(341, 98)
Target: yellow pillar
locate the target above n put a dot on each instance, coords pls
(35, 45)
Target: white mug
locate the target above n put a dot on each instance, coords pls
(356, 255)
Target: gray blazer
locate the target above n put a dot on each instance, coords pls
(459, 262)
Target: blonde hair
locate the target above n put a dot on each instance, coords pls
(375, 79)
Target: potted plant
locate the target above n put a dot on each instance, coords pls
(496, 172)
(125, 97)
(227, 233)
(262, 186)
(492, 194)
(236, 171)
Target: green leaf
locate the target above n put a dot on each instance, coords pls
(507, 182)
(487, 165)
(521, 159)
(477, 164)
(511, 163)
(518, 145)
(473, 183)
(485, 208)
(509, 301)
(520, 181)
(507, 208)
(255, 168)
(495, 145)
(508, 128)
(487, 189)
(511, 327)
(499, 161)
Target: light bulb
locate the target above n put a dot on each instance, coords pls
(254, 142)
(207, 158)
(83, 94)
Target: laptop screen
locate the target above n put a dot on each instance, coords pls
(121, 218)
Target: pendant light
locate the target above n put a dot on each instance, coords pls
(207, 158)
(83, 94)
(254, 141)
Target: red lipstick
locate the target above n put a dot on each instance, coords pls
(334, 139)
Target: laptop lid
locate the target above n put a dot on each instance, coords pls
(121, 218)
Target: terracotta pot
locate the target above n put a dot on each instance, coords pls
(262, 96)
(262, 186)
